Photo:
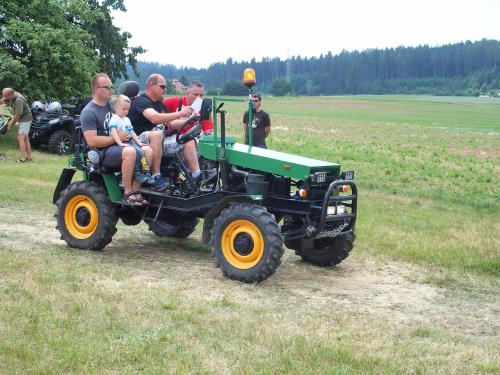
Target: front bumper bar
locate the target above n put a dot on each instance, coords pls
(334, 199)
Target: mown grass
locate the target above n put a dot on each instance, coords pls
(128, 311)
(440, 158)
(427, 172)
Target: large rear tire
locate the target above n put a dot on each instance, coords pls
(128, 215)
(247, 243)
(323, 252)
(85, 216)
(178, 227)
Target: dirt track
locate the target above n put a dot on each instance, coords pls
(395, 291)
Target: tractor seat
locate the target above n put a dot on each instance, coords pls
(93, 166)
(129, 88)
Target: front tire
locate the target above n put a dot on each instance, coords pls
(323, 252)
(61, 142)
(85, 216)
(247, 243)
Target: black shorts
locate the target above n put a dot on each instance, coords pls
(113, 157)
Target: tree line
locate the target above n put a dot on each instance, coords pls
(52, 48)
(467, 68)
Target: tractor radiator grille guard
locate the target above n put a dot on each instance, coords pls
(347, 219)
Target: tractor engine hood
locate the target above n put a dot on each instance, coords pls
(265, 160)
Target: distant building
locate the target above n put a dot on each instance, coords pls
(179, 86)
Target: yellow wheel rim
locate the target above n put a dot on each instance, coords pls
(242, 244)
(81, 217)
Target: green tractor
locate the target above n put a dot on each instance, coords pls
(259, 201)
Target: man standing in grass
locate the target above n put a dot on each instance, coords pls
(23, 117)
(261, 124)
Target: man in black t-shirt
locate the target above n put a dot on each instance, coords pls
(147, 111)
(261, 124)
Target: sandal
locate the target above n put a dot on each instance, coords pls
(20, 161)
(131, 200)
(140, 198)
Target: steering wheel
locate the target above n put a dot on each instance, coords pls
(191, 133)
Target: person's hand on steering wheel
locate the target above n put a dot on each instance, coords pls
(185, 112)
(191, 133)
(193, 119)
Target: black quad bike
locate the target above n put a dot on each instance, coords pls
(260, 201)
(4, 121)
(55, 129)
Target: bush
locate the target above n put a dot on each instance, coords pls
(234, 87)
(281, 87)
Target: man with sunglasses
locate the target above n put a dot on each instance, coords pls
(261, 124)
(148, 110)
(94, 120)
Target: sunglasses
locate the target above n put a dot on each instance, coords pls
(108, 87)
(163, 87)
(256, 100)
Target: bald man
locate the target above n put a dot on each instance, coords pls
(148, 110)
(22, 117)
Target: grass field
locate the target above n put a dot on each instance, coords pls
(418, 295)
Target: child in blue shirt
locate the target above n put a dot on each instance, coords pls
(120, 122)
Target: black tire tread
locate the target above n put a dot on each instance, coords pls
(107, 217)
(182, 230)
(325, 252)
(268, 264)
(54, 140)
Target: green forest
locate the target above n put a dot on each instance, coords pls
(52, 48)
(467, 68)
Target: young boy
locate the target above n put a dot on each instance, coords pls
(120, 122)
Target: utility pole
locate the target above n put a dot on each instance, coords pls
(288, 65)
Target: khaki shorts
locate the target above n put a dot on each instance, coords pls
(144, 136)
(24, 127)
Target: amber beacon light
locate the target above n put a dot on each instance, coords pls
(249, 77)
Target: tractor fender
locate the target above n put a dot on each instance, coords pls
(64, 180)
(216, 210)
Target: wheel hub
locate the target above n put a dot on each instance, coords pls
(82, 216)
(243, 244)
(64, 146)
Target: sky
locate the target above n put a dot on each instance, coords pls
(197, 33)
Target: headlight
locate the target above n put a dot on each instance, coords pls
(319, 177)
(347, 175)
(332, 210)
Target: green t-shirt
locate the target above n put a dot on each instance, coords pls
(20, 106)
